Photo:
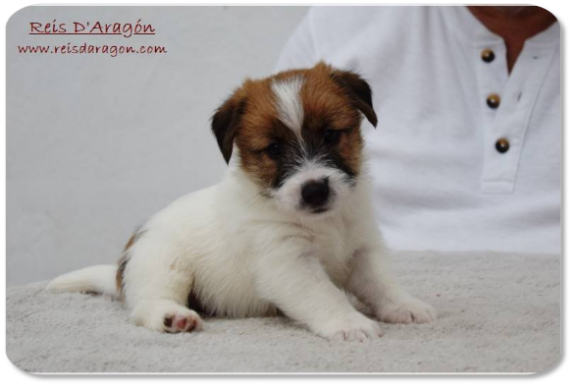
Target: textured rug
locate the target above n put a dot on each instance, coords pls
(497, 313)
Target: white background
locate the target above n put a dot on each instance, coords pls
(96, 144)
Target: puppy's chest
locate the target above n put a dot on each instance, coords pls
(335, 247)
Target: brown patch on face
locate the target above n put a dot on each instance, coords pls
(260, 127)
(328, 107)
(125, 258)
(332, 100)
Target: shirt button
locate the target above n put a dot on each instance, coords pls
(487, 55)
(502, 145)
(493, 101)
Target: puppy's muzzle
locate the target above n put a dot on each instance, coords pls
(315, 194)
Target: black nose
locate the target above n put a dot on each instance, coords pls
(315, 193)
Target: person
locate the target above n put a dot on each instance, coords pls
(467, 152)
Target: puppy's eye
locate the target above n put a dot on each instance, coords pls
(274, 150)
(332, 137)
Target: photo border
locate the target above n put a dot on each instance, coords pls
(555, 375)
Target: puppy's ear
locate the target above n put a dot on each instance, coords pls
(359, 91)
(225, 124)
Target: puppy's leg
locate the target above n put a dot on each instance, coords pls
(373, 282)
(293, 279)
(158, 293)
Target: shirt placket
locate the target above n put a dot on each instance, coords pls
(507, 103)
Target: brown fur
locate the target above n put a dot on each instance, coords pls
(125, 258)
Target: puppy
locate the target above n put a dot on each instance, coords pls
(289, 229)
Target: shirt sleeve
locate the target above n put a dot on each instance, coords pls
(300, 50)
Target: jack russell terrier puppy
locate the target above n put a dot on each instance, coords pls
(289, 229)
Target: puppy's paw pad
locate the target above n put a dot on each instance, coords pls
(406, 311)
(165, 316)
(178, 322)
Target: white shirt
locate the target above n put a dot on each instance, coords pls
(440, 182)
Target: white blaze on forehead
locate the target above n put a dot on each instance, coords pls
(289, 103)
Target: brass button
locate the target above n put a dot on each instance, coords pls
(502, 145)
(487, 55)
(493, 101)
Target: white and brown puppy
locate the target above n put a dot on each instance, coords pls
(289, 229)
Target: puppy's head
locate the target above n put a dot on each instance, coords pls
(298, 135)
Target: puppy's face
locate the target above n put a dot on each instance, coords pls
(298, 135)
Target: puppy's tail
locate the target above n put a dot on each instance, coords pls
(95, 279)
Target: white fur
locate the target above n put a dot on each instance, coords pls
(245, 256)
(289, 103)
(95, 279)
(288, 196)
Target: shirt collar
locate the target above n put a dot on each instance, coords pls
(468, 28)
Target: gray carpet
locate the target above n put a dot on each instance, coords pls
(497, 313)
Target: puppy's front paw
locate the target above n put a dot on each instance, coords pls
(406, 309)
(355, 328)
